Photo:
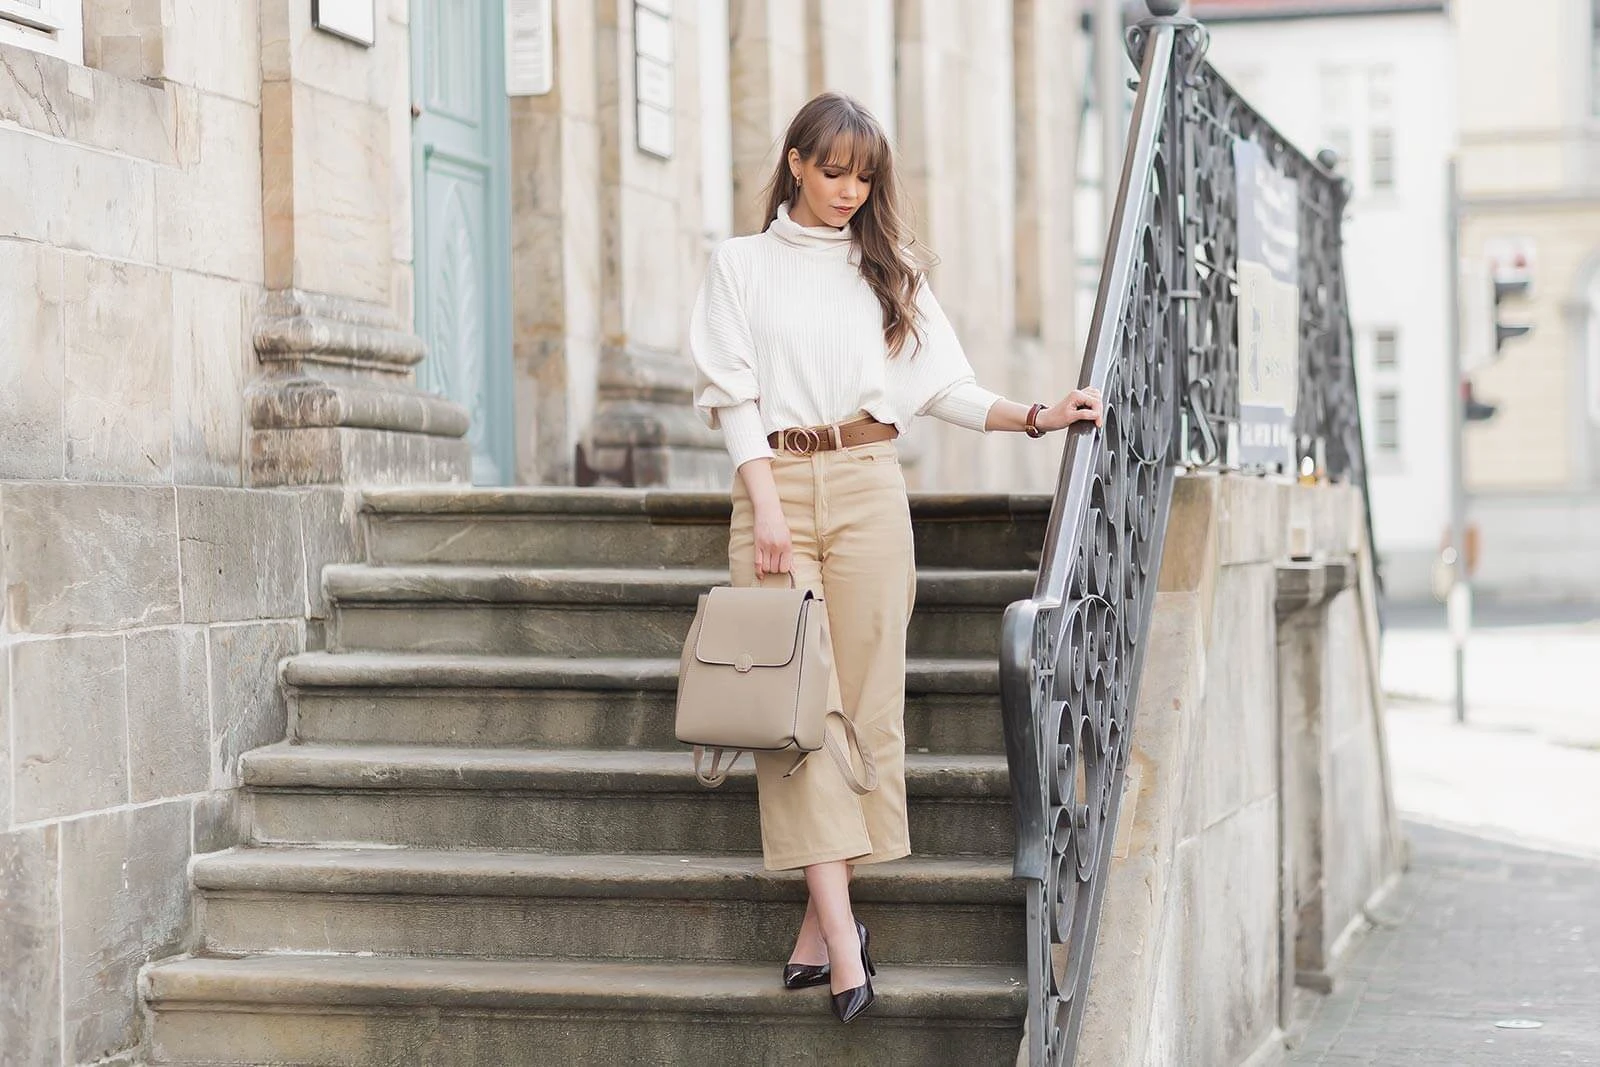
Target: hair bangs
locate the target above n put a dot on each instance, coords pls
(852, 144)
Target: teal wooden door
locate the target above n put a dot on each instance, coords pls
(460, 139)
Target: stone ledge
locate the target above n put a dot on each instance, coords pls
(46, 95)
(344, 455)
(296, 327)
(360, 768)
(509, 985)
(620, 876)
(1304, 585)
(283, 403)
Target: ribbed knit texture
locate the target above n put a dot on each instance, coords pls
(786, 332)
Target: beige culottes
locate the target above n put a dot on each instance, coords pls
(851, 529)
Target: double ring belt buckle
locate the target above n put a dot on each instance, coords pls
(809, 440)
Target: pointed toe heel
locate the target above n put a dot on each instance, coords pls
(852, 1002)
(804, 975)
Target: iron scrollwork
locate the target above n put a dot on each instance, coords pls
(1163, 348)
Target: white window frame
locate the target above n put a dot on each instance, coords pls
(1394, 445)
(55, 27)
(1594, 59)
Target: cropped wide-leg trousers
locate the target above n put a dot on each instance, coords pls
(851, 529)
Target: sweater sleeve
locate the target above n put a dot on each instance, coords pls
(965, 404)
(936, 378)
(727, 391)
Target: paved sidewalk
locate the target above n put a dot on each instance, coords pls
(1478, 932)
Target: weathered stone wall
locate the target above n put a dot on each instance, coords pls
(1256, 823)
(984, 114)
(148, 591)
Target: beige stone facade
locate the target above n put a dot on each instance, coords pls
(1530, 181)
(206, 350)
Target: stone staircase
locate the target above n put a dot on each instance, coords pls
(481, 845)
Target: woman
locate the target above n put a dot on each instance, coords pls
(816, 342)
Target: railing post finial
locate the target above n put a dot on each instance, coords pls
(1164, 9)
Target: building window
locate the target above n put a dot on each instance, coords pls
(1387, 430)
(54, 27)
(1381, 162)
(1386, 349)
(1594, 58)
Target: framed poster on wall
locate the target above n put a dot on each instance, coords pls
(354, 20)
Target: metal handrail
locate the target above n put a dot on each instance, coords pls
(1163, 349)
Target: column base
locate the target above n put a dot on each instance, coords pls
(336, 403)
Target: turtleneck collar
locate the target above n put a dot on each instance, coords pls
(792, 233)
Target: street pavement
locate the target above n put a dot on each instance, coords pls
(1497, 920)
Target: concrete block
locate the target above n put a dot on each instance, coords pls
(31, 443)
(1237, 756)
(120, 115)
(57, 193)
(169, 713)
(1252, 519)
(342, 241)
(215, 48)
(248, 707)
(69, 726)
(124, 902)
(5, 738)
(118, 371)
(332, 532)
(30, 945)
(241, 555)
(88, 557)
(212, 360)
(348, 455)
(220, 821)
(1189, 555)
(208, 211)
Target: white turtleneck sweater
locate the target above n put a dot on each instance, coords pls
(786, 332)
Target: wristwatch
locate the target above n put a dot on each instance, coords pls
(1032, 426)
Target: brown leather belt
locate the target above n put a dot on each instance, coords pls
(804, 440)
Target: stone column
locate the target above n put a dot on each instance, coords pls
(335, 400)
(1304, 681)
(770, 70)
(644, 430)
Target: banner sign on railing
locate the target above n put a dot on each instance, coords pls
(1269, 310)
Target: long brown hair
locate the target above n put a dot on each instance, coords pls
(829, 126)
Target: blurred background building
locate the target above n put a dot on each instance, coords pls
(1529, 102)
(1372, 81)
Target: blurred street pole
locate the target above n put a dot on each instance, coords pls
(1110, 86)
(1458, 602)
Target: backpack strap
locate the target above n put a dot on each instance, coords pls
(861, 784)
(716, 775)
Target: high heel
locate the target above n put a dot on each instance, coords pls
(804, 975)
(852, 1002)
(861, 932)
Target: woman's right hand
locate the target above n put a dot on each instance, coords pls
(774, 550)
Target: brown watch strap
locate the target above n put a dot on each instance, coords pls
(1033, 421)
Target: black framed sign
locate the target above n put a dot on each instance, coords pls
(354, 20)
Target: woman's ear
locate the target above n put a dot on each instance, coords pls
(794, 163)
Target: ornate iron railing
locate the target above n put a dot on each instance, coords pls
(1163, 348)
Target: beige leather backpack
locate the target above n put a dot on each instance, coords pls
(757, 674)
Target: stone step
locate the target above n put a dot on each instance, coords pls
(574, 800)
(528, 701)
(595, 527)
(343, 1011)
(419, 902)
(608, 612)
